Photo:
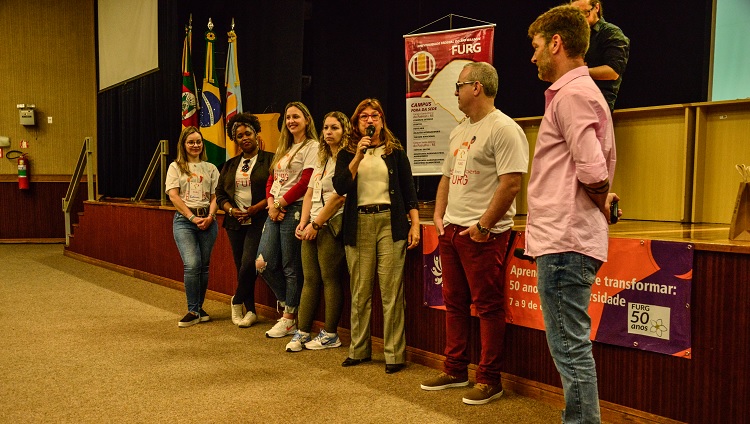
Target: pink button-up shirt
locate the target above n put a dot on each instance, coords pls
(576, 144)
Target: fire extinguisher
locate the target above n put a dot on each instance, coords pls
(23, 172)
(23, 168)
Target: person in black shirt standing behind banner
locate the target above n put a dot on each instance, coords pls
(608, 51)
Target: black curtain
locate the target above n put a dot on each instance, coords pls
(345, 51)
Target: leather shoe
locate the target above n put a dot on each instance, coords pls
(350, 362)
(391, 368)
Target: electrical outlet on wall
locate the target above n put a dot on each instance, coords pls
(49, 119)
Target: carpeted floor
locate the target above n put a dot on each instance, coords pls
(84, 344)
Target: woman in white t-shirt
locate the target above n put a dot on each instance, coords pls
(191, 186)
(323, 258)
(279, 261)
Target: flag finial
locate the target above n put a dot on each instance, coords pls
(210, 24)
(232, 24)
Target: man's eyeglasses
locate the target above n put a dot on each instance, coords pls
(460, 83)
(586, 13)
(194, 143)
(375, 117)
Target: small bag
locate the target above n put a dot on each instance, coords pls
(336, 224)
(740, 227)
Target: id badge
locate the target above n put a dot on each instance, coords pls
(459, 168)
(195, 191)
(317, 190)
(275, 188)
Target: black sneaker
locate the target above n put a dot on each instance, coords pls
(188, 320)
(204, 316)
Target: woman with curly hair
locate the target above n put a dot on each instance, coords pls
(241, 194)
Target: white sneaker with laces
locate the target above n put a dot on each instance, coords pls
(299, 339)
(248, 320)
(324, 340)
(283, 327)
(236, 312)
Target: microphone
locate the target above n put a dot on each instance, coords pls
(370, 131)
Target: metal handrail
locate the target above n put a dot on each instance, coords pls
(85, 159)
(158, 159)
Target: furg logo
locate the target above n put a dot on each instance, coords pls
(422, 66)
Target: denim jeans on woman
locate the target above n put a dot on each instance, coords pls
(195, 246)
(280, 250)
(564, 282)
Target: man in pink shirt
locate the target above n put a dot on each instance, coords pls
(569, 201)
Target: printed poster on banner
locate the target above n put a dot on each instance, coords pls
(433, 63)
(640, 297)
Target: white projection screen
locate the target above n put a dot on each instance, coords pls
(730, 59)
(128, 40)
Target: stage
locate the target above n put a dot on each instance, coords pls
(635, 385)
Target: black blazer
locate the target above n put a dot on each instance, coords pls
(258, 179)
(401, 191)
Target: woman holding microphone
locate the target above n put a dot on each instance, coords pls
(374, 174)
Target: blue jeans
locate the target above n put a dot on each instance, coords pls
(564, 282)
(195, 247)
(280, 250)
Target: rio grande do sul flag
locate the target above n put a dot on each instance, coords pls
(232, 81)
(189, 101)
(212, 122)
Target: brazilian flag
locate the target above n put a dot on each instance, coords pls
(211, 119)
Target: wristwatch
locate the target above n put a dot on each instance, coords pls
(230, 211)
(484, 231)
(315, 226)
(276, 204)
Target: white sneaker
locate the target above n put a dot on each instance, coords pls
(283, 327)
(248, 320)
(236, 312)
(299, 339)
(324, 340)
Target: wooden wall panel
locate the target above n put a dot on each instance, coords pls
(50, 62)
(36, 213)
(724, 143)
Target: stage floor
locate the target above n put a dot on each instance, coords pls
(711, 237)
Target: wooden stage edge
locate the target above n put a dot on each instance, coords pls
(550, 395)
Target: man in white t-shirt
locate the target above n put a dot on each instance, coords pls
(473, 216)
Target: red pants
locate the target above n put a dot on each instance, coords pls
(474, 273)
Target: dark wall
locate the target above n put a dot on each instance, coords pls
(133, 117)
(352, 50)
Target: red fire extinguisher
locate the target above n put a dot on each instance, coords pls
(23, 172)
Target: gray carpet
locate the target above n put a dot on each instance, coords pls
(82, 343)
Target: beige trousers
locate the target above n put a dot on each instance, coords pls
(376, 251)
